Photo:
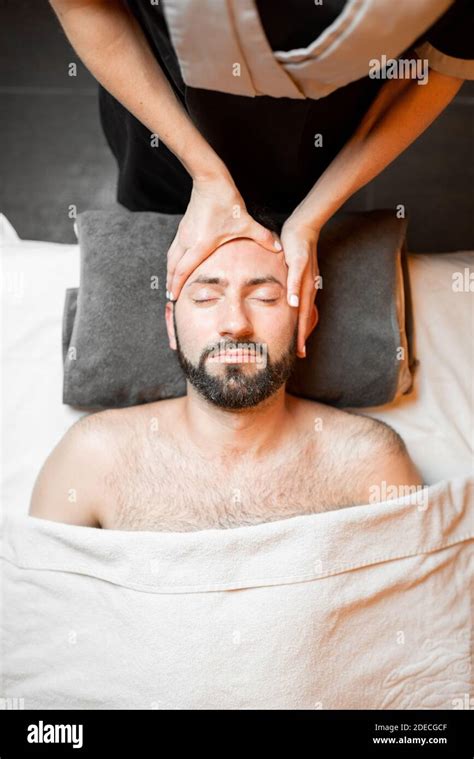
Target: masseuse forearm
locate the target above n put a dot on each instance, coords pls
(112, 45)
(400, 113)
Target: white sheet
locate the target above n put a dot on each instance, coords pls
(436, 420)
(362, 608)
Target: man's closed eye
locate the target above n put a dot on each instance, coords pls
(209, 300)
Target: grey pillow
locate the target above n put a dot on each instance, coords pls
(115, 343)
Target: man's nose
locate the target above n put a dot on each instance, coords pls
(234, 321)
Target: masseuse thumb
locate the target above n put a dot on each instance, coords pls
(265, 237)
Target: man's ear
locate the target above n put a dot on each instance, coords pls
(170, 325)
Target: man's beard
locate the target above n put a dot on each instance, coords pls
(236, 388)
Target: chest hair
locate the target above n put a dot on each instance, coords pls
(158, 486)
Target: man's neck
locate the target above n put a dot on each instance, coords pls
(222, 433)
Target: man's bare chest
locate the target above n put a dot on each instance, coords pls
(167, 491)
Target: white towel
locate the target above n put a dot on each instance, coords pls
(364, 607)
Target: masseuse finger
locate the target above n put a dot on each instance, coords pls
(264, 237)
(307, 302)
(297, 258)
(190, 259)
(307, 297)
(175, 253)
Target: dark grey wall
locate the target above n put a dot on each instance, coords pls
(55, 155)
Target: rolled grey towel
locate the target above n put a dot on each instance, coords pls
(115, 343)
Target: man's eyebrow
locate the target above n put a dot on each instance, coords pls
(205, 280)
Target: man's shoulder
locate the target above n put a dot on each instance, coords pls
(352, 429)
(362, 452)
(115, 424)
(90, 436)
(97, 423)
(74, 483)
(365, 432)
(375, 454)
(67, 487)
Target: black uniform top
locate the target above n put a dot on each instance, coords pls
(268, 144)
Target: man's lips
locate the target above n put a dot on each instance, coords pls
(233, 356)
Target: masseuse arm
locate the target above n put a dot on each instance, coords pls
(402, 110)
(110, 42)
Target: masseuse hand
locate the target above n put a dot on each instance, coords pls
(299, 240)
(209, 222)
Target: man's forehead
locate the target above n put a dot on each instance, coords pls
(241, 262)
(209, 279)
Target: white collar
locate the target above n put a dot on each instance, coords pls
(222, 45)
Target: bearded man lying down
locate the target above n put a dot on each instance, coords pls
(237, 449)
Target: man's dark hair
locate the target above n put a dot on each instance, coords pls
(266, 216)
